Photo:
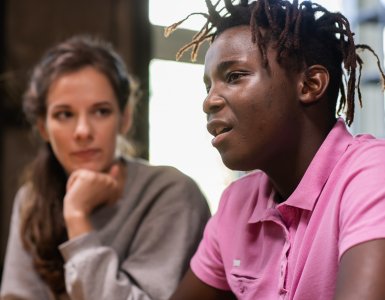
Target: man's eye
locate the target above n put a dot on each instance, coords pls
(208, 87)
(233, 76)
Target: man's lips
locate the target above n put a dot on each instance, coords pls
(217, 127)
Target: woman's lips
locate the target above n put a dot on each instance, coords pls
(86, 154)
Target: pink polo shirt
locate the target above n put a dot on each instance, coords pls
(261, 250)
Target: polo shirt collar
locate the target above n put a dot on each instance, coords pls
(308, 190)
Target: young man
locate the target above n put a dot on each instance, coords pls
(310, 222)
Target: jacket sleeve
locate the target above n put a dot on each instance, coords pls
(160, 252)
(92, 271)
(19, 279)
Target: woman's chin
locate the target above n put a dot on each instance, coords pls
(95, 167)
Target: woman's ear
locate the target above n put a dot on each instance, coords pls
(40, 124)
(126, 123)
(313, 85)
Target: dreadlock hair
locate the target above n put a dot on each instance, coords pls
(42, 223)
(307, 33)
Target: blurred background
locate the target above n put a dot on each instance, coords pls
(170, 125)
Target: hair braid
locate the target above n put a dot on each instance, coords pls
(306, 32)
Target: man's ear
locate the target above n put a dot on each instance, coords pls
(40, 124)
(126, 123)
(313, 85)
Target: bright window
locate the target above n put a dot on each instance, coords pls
(166, 12)
(178, 134)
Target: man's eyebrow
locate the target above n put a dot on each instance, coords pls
(226, 64)
(222, 66)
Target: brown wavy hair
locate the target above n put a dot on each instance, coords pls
(42, 222)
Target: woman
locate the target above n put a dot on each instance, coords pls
(90, 223)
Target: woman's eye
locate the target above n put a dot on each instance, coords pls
(208, 88)
(62, 115)
(103, 111)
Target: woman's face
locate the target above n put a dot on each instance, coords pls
(82, 121)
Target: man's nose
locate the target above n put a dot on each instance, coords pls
(213, 102)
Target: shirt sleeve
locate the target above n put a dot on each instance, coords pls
(19, 278)
(92, 271)
(207, 263)
(362, 213)
(159, 255)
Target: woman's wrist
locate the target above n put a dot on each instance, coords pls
(77, 223)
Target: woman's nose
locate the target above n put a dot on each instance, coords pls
(213, 102)
(83, 130)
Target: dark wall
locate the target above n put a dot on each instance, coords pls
(27, 29)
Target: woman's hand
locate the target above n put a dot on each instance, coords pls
(87, 190)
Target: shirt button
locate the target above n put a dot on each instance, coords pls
(71, 273)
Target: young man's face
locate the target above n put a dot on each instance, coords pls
(252, 111)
